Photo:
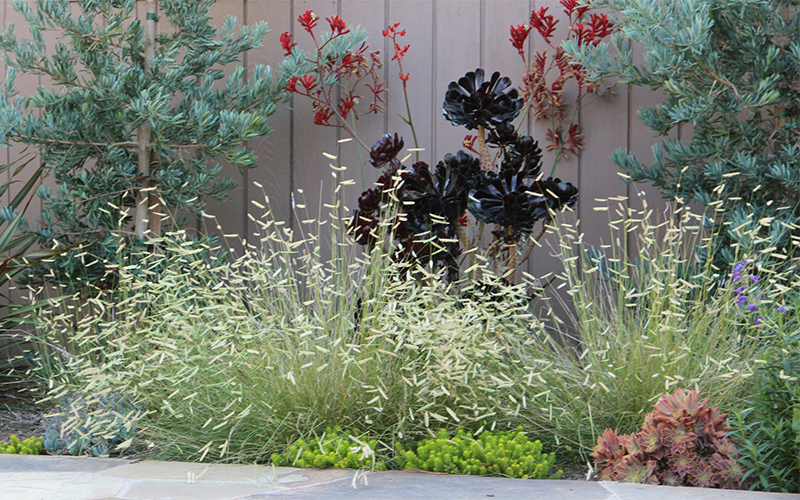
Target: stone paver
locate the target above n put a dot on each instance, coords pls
(201, 490)
(45, 463)
(57, 486)
(68, 478)
(404, 485)
(626, 491)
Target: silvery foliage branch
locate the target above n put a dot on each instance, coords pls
(97, 90)
(730, 69)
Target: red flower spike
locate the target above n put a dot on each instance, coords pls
(338, 27)
(463, 220)
(287, 43)
(571, 8)
(600, 27)
(400, 52)
(404, 78)
(322, 116)
(469, 143)
(581, 34)
(308, 20)
(346, 105)
(518, 37)
(543, 23)
(308, 82)
(377, 90)
(291, 85)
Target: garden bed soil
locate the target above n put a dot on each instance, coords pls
(18, 412)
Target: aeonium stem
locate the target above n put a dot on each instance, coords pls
(532, 242)
(512, 264)
(485, 158)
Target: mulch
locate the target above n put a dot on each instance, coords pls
(18, 412)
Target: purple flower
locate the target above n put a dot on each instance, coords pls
(752, 307)
(736, 275)
(741, 299)
(754, 278)
(781, 308)
(740, 290)
(758, 320)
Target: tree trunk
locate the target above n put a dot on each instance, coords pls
(145, 218)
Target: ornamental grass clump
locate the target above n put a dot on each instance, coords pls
(682, 443)
(644, 317)
(237, 361)
(508, 454)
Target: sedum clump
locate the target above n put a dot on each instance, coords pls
(682, 443)
(509, 454)
(332, 449)
(31, 446)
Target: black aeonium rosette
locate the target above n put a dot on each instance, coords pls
(559, 194)
(523, 153)
(507, 200)
(472, 101)
(468, 165)
(433, 202)
(386, 150)
(502, 135)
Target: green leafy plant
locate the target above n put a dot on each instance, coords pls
(16, 254)
(508, 454)
(137, 123)
(767, 432)
(31, 446)
(729, 73)
(97, 426)
(682, 443)
(331, 449)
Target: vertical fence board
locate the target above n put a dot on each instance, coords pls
(274, 151)
(228, 212)
(370, 15)
(313, 182)
(416, 17)
(454, 57)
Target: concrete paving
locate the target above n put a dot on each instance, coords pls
(73, 478)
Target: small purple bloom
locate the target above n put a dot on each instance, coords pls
(752, 307)
(741, 299)
(781, 308)
(740, 290)
(754, 278)
(758, 320)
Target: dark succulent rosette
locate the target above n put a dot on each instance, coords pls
(472, 101)
(468, 165)
(523, 153)
(434, 202)
(502, 135)
(560, 195)
(506, 200)
(385, 151)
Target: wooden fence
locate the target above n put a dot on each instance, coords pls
(447, 38)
